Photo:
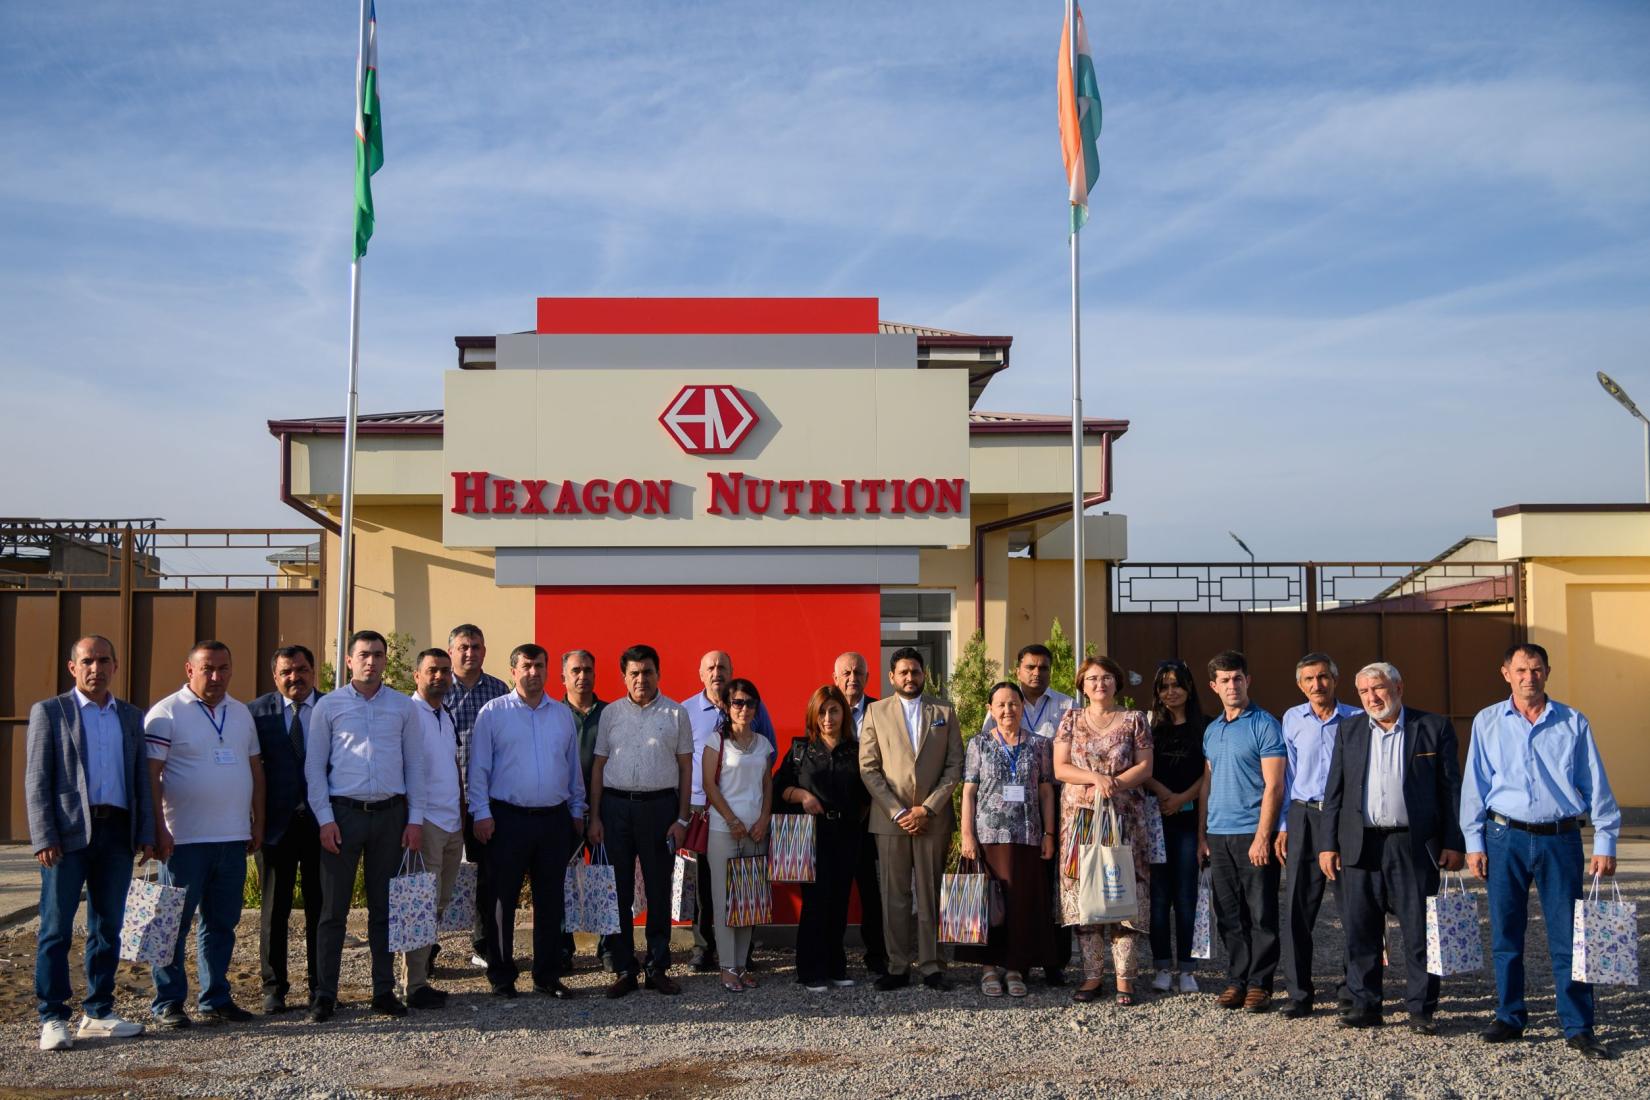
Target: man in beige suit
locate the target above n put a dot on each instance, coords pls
(911, 757)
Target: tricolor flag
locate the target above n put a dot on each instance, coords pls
(1079, 117)
(369, 135)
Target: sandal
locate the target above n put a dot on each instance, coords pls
(1086, 992)
(746, 980)
(1016, 984)
(731, 982)
(991, 985)
(1125, 997)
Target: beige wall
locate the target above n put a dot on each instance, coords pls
(1593, 617)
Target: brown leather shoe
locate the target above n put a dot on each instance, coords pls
(623, 984)
(662, 983)
(1258, 1000)
(1232, 997)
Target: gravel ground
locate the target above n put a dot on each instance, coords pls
(780, 1040)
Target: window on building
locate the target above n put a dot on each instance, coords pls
(921, 619)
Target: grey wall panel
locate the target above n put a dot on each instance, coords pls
(529, 351)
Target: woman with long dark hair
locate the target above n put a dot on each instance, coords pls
(1177, 722)
(738, 791)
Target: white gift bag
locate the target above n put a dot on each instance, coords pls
(154, 912)
(1203, 946)
(1455, 943)
(1604, 949)
(412, 906)
(460, 913)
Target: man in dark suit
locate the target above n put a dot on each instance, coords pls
(849, 675)
(1390, 822)
(87, 788)
(292, 846)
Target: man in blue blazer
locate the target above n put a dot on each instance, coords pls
(292, 847)
(87, 789)
(1390, 823)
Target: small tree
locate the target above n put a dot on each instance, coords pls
(971, 680)
(1062, 675)
(398, 668)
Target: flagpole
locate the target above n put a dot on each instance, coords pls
(1077, 553)
(346, 539)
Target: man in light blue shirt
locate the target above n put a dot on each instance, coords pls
(527, 799)
(1533, 772)
(1309, 733)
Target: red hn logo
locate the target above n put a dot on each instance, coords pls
(708, 420)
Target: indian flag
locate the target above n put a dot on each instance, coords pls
(369, 135)
(1079, 117)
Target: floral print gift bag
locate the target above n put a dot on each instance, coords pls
(1605, 948)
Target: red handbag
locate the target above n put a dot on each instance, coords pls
(698, 829)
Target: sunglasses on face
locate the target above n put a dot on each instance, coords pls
(741, 702)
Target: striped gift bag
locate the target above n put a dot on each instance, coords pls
(1078, 837)
(965, 914)
(750, 898)
(791, 848)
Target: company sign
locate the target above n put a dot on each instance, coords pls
(708, 420)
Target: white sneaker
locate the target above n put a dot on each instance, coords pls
(54, 1035)
(1188, 984)
(1161, 981)
(478, 961)
(816, 988)
(108, 1027)
(843, 983)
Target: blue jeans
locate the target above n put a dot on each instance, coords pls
(104, 869)
(213, 877)
(1554, 865)
(1174, 885)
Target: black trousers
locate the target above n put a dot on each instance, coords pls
(838, 849)
(868, 877)
(374, 836)
(534, 845)
(1303, 885)
(1246, 910)
(297, 855)
(1389, 878)
(637, 830)
(476, 852)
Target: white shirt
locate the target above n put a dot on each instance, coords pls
(206, 777)
(743, 773)
(365, 749)
(641, 743)
(442, 794)
(913, 719)
(105, 751)
(1384, 806)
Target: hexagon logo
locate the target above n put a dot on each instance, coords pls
(708, 420)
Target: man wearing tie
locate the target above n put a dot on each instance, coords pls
(87, 787)
(911, 758)
(292, 846)
(849, 675)
(364, 765)
(1388, 825)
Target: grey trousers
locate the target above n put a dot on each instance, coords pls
(376, 837)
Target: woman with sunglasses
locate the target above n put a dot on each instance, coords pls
(738, 791)
(1177, 722)
(820, 776)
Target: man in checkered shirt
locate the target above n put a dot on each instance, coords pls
(472, 689)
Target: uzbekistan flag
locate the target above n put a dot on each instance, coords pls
(1079, 118)
(369, 137)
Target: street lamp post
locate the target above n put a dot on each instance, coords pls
(1626, 402)
(1251, 554)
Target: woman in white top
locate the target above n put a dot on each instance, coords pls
(739, 792)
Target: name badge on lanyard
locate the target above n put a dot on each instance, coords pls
(1012, 792)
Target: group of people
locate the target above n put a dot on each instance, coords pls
(1369, 802)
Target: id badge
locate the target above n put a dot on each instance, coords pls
(1014, 792)
(223, 756)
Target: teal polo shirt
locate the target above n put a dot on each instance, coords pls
(1234, 750)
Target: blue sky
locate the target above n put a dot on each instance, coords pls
(1349, 272)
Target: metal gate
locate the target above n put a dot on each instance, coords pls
(1444, 624)
(154, 593)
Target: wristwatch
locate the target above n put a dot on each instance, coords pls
(682, 822)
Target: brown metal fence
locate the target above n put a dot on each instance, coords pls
(1444, 625)
(154, 592)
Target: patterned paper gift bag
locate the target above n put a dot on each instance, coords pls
(684, 887)
(154, 912)
(460, 914)
(1605, 947)
(638, 890)
(598, 895)
(1157, 842)
(1080, 836)
(412, 906)
(791, 848)
(572, 893)
(1203, 946)
(750, 898)
(1455, 945)
(965, 909)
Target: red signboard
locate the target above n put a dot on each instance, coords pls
(708, 420)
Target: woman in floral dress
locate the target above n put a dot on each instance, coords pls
(1103, 750)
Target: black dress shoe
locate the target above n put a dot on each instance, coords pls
(890, 982)
(427, 996)
(1055, 978)
(622, 985)
(704, 962)
(274, 1004)
(1423, 1025)
(388, 1004)
(1589, 1047)
(508, 992)
(876, 966)
(555, 989)
(1364, 1018)
(661, 982)
(1297, 1010)
(938, 982)
(227, 1013)
(173, 1019)
(321, 1011)
(1501, 1032)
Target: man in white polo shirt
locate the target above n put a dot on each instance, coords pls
(443, 829)
(208, 784)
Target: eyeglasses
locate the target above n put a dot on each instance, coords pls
(742, 702)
